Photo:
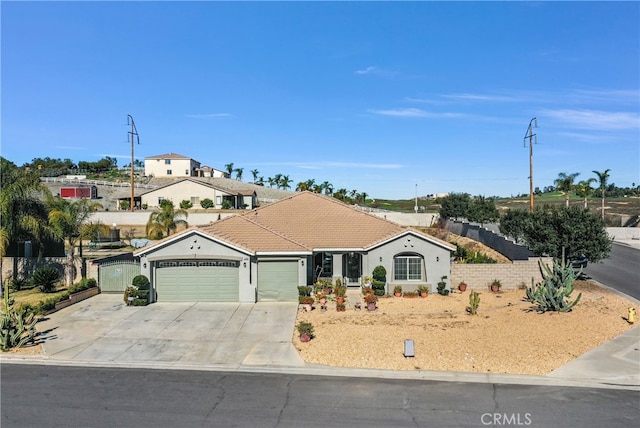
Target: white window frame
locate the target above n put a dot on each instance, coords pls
(408, 274)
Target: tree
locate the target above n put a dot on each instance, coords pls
(66, 219)
(515, 223)
(584, 189)
(482, 210)
(165, 221)
(285, 182)
(255, 173)
(23, 214)
(456, 205)
(564, 183)
(229, 168)
(550, 229)
(185, 204)
(602, 181)
(328, 188)
(239, 172)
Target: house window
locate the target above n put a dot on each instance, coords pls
(186, 172)
(169, 172)
(407, 268)
(195, 200)
(218, 200)
(167, 161)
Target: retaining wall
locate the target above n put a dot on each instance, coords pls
(511, 275)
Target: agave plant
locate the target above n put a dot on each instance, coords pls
(46, 278)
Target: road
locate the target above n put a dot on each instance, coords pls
(621, 271)
(54, 396)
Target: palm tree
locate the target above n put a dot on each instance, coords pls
(239, 172)
(584, 189)
(301, 186)
(165, 221)
(328, 188)
(271, 181)
(277, 179)
(229, 168)
(285, 182)
(602, 179)
(255, 173)
(67, 219)
(23, 214)
(564, 183)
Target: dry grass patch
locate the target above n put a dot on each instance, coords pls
(507, 335)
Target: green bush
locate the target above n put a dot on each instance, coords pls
(141, 282)
(84, 284)
(139, 302)
(206, 203)
(379, 274)
(46, 278)
(304, 290)
(142, 294)
(185, 204)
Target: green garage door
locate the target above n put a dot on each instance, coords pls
(278, 281)
(197, 281)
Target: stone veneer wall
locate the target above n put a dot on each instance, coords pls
(511, 275)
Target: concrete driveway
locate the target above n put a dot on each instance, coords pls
(102, 329)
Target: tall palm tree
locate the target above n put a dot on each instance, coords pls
(584, 189)
(23, 214)
(602, 180)
(301, 186)
(285, 182)
(165, 221)
(229, 168)
(564, 183)
(328, 188)
(239, 172)
(255, 173)
(67, 219)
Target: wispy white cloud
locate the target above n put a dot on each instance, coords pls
(208, 115)
(368, 70)
(375, 71)
(331, 164)
(479, 97)
(614, 96)
(416, 112)
(594, 119)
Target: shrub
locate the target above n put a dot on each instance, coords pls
(139, 302)
(17, 284)
(129, 292)
(124, 205)
(46, 278)
(206, 203)
(305, 327)
(379, 273)
(304, 290)
(84, 284)
(185, 204)
(141, 282)
(143, 294)
(442, 286)
(340, 291)
(474, 302)
(145, 206)
(397, 289)
(18, 325)
(370, 298)
(226, 205)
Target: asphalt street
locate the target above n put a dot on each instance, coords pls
(54, 396)
(621, 271)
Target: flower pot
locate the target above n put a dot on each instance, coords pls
(304, 337)
(371, 306)
(398, 294)
(341, 309)
(307, 308)
(424, 293)
(340, 300)
(323, 301)
(495, 288)
(462, 287)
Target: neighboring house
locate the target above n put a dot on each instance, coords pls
(207, 171)
(170, 165)
(266, 253)
(196, 191)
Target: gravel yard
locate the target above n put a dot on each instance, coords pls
(506, 336)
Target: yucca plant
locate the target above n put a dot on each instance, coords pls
(46, 278)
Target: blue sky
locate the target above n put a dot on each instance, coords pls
(385, 97)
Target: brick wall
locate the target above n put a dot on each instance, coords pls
(511, 275)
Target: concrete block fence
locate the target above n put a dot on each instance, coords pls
(511, 275)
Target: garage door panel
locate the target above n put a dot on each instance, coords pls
(278, 281)
(197, 282)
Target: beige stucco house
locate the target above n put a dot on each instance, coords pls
(170, 165)
(195, 191)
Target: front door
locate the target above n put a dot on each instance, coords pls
(352, 266)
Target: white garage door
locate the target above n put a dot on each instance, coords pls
(278, 281)
(197, 281)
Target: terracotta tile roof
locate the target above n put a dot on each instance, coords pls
(302, 223)
(241, 231)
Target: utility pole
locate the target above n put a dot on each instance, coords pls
(133, 132)
(416, 205)
(529, 134)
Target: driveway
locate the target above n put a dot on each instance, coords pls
(103, 330)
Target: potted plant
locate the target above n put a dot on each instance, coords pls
(371, 299)
(462, 286)
(397, 290)
(423, 290)
(305, 329)
(307, 302)
(410, 294)
(340, 291)
(495, 285)
(442, 286)
(340, 307)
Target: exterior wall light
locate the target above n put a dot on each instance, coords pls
(437, 259)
